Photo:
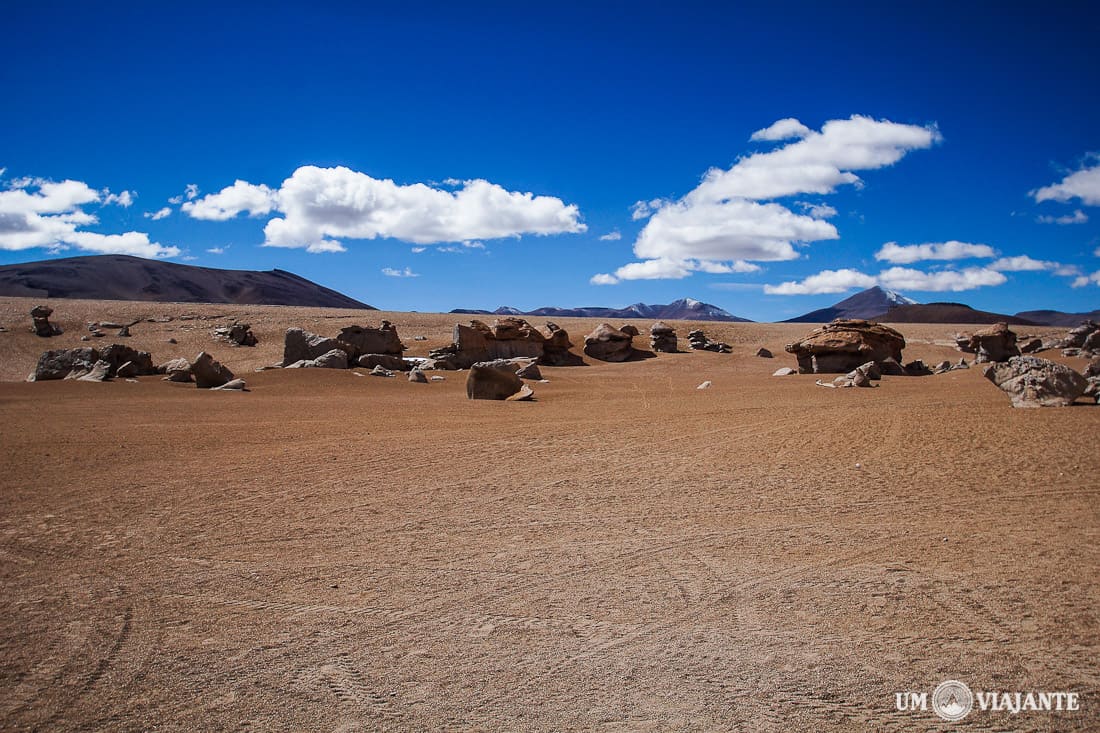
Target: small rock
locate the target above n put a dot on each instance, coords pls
(764, 353)
(438, 378)
(380, 371)
(704, 385)
(784, 372)
(233, 384)
(124, 332)
(417, 376)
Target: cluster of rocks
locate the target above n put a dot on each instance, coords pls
(998, 343)
(506, 338)
(1082, 340)
(698, 341)
(607, 343)
(846, 344)
(117, 360)
(946, 366)
(662, 338)
(861, 376)
(40, 318)
(353, 346)
(1031, 381)
(236, 334)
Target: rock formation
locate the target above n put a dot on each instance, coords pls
(662, 337)
(764, 353)
(505, 339)
(40, 316)
(360, 340)
(843, 345)
(996, 343)
(555, 350)
(208, 372)
(1034, 382)
(607, 343)
(176, 370)
(61, 363)
(698, 340)
(301, 345)
(237, 334)
(332, 359)
(495, 380)
(386, 361)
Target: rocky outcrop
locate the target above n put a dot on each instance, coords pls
(662, 338)
(209, 372)
(40, 317)
(608, 343)
(698, 341)
(630, 329)
(176, 370)
(843, 345)
(996, 343)
(1034, 382)
(507, 338)
(301, 345)
(59, 363)
(236, 334)
(495, 380)
(100, 372)
(118, 354)
(556, 347)
(332, 359)
(360, 340)
(386, 361)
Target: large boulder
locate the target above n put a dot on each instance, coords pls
(359, 340)
(495, 380)
(845, 344)
(555, 350)
(301, 345)
(386, 361)
(607, 343)
(996, 343)
(59, 363)
(662, 337)
(118, 354)
(1078, 336)
(1034, 382)
(176, 370)
(209, 372)
(40, 317)
(507, 338)
(334, 359)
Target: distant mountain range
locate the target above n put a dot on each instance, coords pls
(870, 303)
(121, 277)
(1057, 318)
(685, 309)
(948, 313)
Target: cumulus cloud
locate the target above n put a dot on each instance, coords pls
(895, 278)
(242, 196)
(391, 272)
(190, 193)
(603, 279)
(418, 250)
(217, 250)
(785, 129)
(1084, 280)
(35, 212)
(724, 218)
(1077, 217)
(124, 199)
(666, 269)
(159, 214)
(611, 237)
(1021, 263)
(1083, 184)
(909, 253)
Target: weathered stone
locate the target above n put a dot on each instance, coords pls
(525, 394)
(704, 385)
(301, 345)
(359, 340)
(764, 353)
(335, 359)
(59, 363)
(698, 341)
(1033, 382)
(237, 333)
(555, 350)
(662, 338)
(209, 372)
(1079, 335)
(530, 370)
(386, 361)
(417, 376)
(996, 343)
(127, 370)
(100, 372)
(1093, 368)
(917, 368)
(508, 338)
(380, 371)
(842, 345)
(176, 370)
(607, 343)
(1031, 346)
(891, 367)
(234, 384)
(784, 372)
(629, 329)
(40, 317)
(492, 381)
(871, 369)
(118, 354)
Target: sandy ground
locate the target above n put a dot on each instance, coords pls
(339, 552)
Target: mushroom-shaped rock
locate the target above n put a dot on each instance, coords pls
(1034, 382)
(209, 372)
(495, 380)
(843, 345)
(996, 343)
(662, 337)
(607, 343)
(40, 317)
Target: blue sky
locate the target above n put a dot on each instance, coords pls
(446, 156)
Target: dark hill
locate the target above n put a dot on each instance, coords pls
(1058, 318)
(867, 304)
(121, 277)
(947, 313)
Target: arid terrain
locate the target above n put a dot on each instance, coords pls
(333, 551)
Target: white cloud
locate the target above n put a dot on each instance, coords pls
(320, 205)
(785, 129)
(826, 281)
(603, 279)
(1021, 263)
(952, 250)
(1077, 217)
(124, 199)
(904, 278)
(474, 245)
(190, 193)
(242, 196)
(1084, 280)
(418, 250)
(614, 236)
(35, 212)
(666, 269)
(895, 278)
(1083, 184)
(158, 214)
(1096, 252)
(217, 250)
(723, 219)
(391, 272)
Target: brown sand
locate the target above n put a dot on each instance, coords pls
(341, 552)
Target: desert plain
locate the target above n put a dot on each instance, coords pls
(331, 551)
